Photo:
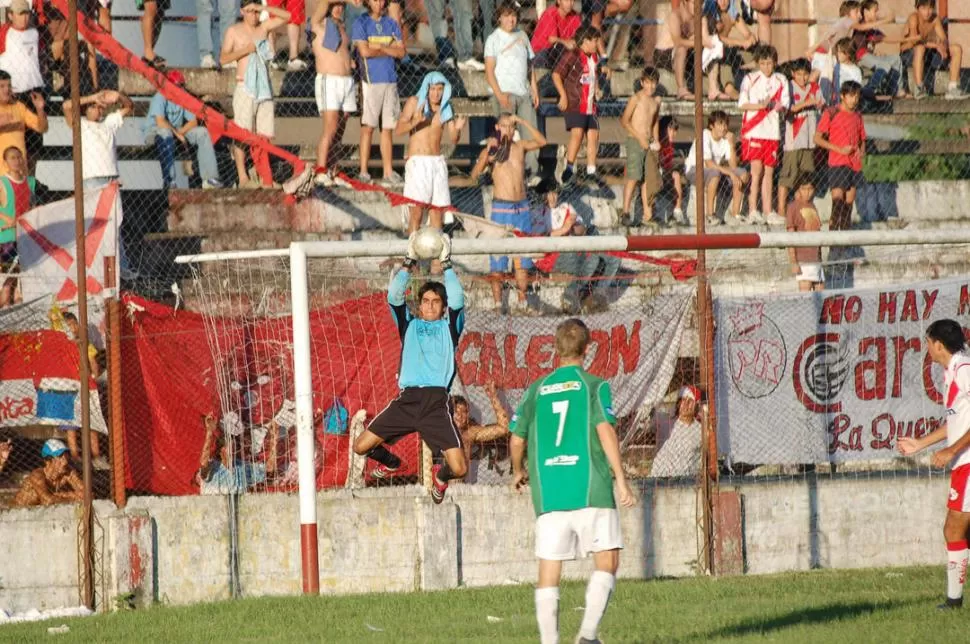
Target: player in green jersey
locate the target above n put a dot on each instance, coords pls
(567, 420)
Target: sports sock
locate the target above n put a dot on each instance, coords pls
(591, 170)
(598, 593)
(956, 568)
(547, 614)
(383, 456)
(444, 474)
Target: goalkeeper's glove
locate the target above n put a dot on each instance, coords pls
(411, 258)
(445, 256)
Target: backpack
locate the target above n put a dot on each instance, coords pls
(335, 419)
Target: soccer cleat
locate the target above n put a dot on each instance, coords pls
(951, 604)
(438, 488)
(582, 640)
(383, 472)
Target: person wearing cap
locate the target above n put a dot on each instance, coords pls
(52, 483)
(168, 121)
(20, 57)
(680, 455)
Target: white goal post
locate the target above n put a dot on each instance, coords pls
(299, 252)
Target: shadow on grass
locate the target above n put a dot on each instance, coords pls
(805, 616)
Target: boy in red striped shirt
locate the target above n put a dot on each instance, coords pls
(764, 95)
(576, 80)
(842, 132)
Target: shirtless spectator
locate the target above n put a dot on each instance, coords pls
(16, 119)
(675, 39)
(335, 90)
(510, 204)
(641, 120)
(6, 448)
(54, 482)
(247, 46)
(425, 117)
(931, 52)
(482, 443)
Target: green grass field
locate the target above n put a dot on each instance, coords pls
(825, 606)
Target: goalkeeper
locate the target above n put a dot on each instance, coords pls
(429, 343)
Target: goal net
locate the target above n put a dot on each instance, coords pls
(643, 341)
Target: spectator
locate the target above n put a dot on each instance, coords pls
(594, 11)
(210, 37)
(20, 57)
(821, 55)
(294, 25)
(72, 329)
(594, 272)
(99, 152)
(800, 124)
(720, 162)
(486, 446)
(641, 120)
(887, 70)
(930, 51)
(16, 119)
(671, 166)
(845, 68)
(555, 33)
(721, 22)
(16, 198)
(335, 90)
(424, 119)
(6, 447)
(103, 17)
(379, 43)
(168, 121)
(512, 79)
(246, 45)
(764, 95)
(461, 14)
(225, 473)
(576, 78)
(680, 454)
(842, 132)
(54, 482)
(510, 204)
(675, 39)
(801, 216)
(152, 18)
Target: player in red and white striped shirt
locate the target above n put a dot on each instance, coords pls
(946, 347)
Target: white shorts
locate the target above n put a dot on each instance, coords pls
(561, 536)
(335, 93)
(426, 180)
(811, 273)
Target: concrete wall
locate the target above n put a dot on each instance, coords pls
(177, 550)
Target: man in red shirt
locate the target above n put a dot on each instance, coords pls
(842, 132)
(576, 80)
(554, 33)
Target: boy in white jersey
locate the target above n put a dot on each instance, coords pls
(800, 124)
(946, 347)
(764, 95)
(567, 418)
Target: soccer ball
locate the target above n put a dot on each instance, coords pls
(427, 242)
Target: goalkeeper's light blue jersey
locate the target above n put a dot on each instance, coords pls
(428, 348)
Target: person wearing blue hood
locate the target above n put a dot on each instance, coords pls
(425, 118)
